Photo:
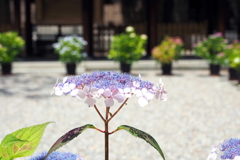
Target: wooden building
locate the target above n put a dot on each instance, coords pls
(41, 22)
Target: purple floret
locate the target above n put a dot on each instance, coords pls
(56, 156)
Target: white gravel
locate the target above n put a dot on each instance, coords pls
(201, 112)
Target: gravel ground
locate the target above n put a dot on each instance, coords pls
(201, 112)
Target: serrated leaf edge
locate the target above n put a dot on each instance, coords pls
(24, 141)
(44, 125)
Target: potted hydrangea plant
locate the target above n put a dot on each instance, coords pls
(209, 49)
(166, 52)
(229, 59)
(234, 58)
(11, 44)
(127, 48)
(71, 51)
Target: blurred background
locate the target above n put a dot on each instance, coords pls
(41, 22)
(201, 111)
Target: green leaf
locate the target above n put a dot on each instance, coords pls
(10, 140)
(145, 136)
(67, 137)
(22, 142)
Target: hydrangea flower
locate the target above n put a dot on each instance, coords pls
(87, 92)
(109, 95)
(144, 96)
(160, 93)
(70, 49)
(229, 149)
(111, 86)
(57, 156)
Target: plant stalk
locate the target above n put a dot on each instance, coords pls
(99, 113)
(106, 134)
(118, 109)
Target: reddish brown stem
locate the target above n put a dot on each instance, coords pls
(99, 130)
(113, 131)
(99, 113)
(106, 135)
(118, 109)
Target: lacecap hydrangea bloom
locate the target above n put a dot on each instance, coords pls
(110, 85)
(229, 149)
(56, 156)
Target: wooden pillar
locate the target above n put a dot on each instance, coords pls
(17, 16)
(211, 10)
(88, 25)
(28, 28)
(221, 16)
(151, 12)
(238, 19)
(5, 12)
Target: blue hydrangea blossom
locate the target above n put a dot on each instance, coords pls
(110, 85)
(56, 156)
(229, 149)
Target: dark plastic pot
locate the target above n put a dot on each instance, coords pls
(238, 74)
(214, 69)
(232, 73)
(71, 68)
(6, 68)
(166, 69)
(125, 68)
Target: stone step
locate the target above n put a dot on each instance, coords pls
(56, 66)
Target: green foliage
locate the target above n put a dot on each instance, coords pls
(22, 142)
(70, 49)
(10, 46)
(67, 137)
(145, 136)
(169, 50)
(210, 48)
(9, 140)
(231, 56)
(3, 53)
(127, 47)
